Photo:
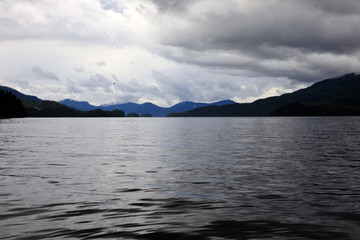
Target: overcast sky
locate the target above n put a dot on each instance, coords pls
(166, 51)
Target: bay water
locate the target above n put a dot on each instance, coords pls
(180, 178)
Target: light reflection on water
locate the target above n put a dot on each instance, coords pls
(180, 178)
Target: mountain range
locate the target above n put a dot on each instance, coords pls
(37, 107)
(145, 108)
(338, 96)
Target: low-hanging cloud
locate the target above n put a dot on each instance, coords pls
(101, 64)
(44, 74)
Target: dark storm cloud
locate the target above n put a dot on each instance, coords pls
(294, 39)
(173, 5)
(338, 7)
(43, 74)
(296, 24)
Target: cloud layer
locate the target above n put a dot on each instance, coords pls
(166, 51)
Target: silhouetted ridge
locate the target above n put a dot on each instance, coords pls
(82, 105)
(145, 108)
(330, 97)
(10, 106)
(20, 95)
(55, 109)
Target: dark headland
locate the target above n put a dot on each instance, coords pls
(338, 96)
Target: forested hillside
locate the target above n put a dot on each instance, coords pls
(10, 106)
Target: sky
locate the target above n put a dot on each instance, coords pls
(167, 51)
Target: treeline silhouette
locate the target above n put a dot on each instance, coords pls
(11, 106)
(331, 97)
(55, 109)
(343, 107)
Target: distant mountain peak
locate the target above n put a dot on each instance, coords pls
(144, 108)
(79, 105)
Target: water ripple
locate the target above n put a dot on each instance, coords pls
(206, 178)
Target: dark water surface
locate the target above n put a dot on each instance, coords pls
(180, 178)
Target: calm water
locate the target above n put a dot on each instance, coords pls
(180, 178)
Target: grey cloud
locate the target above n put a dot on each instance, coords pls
(278, 39)
(296, 25)
(23, 84)
(303, 67)
(136, 86)
(97, 81)
(236, 64)
(173, 87)
(101, 64)
(13, 30)
(344, 7)
(43, 21)
(79, 69)
(112, 5)
(201, 88)
(43, 74)
(123, 91)
(134, 90)
(72, 87)
(173, 5)
(228, 45)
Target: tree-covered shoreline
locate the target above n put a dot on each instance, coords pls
(55, 109)
(11, 106)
